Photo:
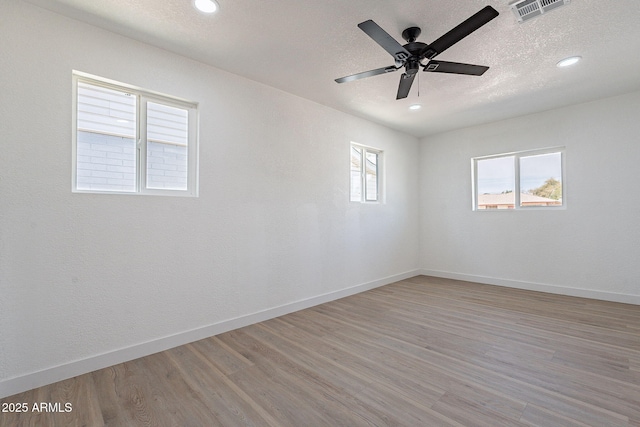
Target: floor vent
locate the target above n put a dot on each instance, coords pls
(527, 9)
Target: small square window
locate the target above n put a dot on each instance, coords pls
(127, 140)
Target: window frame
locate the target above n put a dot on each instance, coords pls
(143, 96)
(517, 155)
(363, 174)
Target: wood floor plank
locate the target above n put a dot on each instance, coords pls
(136, 397)
(77, 392)
(356, 370)
(223, 357)
(540, 417)
(108, 390)
(421, 351)
(170, 390)
(471, 413)
(227, 403)
(315, 389)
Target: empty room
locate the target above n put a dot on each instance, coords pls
(302, 213)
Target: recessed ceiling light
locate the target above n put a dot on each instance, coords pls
(206, 6)
(415, 107)
(568, 61)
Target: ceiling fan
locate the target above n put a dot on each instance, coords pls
(415, 54)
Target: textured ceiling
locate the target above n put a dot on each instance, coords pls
(301, 46)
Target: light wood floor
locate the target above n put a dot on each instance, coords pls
(420, 352)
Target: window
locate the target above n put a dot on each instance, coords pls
(128, 140)
(528, 179)
(365, 174)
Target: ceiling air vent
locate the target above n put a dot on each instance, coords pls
(527, 9)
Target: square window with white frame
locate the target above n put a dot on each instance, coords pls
(366, 174)
(128, 140)
(527, 179)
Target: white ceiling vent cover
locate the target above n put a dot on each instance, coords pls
(527, 9)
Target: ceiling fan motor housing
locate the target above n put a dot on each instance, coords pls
(417, 50)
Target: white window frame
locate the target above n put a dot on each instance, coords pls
(143, 96)
(363, 180)
(516, 159)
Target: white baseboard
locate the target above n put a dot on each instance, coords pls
(78, 367)
(531, 286)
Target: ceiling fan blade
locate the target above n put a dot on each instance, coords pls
(406, 80)
(455, 68)
(464, 29)
(364, 74)
(387, 42)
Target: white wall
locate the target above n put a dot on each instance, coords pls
(89, 280)
(590, 249)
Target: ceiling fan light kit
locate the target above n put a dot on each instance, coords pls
(415, 54)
